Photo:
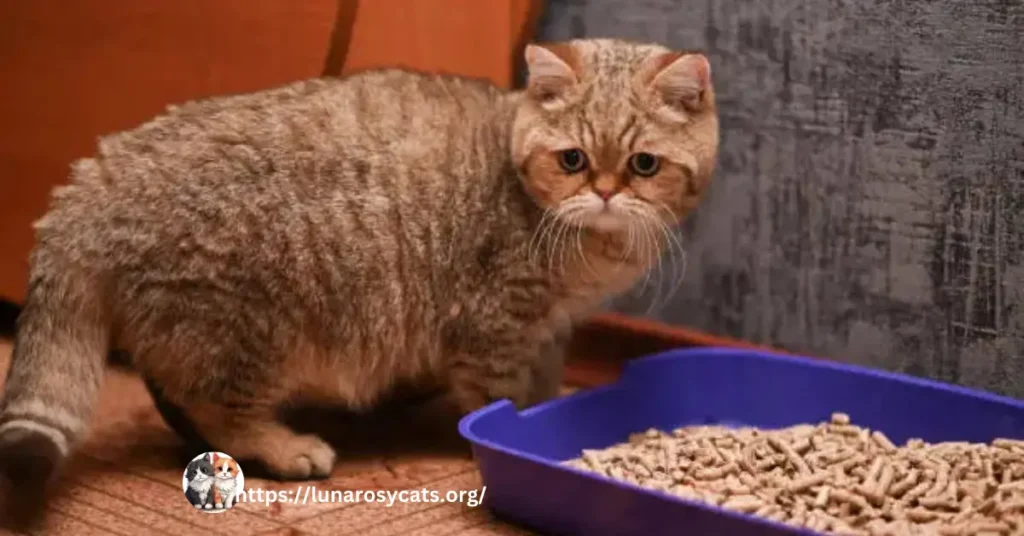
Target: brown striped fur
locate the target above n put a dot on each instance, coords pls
(322, 241)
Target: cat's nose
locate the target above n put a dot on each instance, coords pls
(605, 185)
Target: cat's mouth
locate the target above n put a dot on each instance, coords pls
(607, 220)
(593, 211)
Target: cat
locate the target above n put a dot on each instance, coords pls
(200, 478)
(323, 241)
(225, 482)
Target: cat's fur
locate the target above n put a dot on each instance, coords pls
(200, 477)
(225, 487)
(321, 241)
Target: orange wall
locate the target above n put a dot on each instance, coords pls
(76, 69)
(468, 37)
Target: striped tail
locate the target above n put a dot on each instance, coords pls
(55, 373)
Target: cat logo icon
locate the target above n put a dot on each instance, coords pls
(213, 482)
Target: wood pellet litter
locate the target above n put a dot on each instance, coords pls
(833, 478)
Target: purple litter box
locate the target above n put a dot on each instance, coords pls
(519, 452)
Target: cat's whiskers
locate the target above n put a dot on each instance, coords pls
(653, 256)
(655, 240)
(546, 232)
(570, 211)
(675, 239)
(573, 213)
(674, 246)
(648, 243)
(553, 239)
(682, 250)
(534, 245)
(559, 249)
(628, 250)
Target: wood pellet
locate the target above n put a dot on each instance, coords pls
(833, 477)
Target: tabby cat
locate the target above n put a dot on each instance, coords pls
(322, 241)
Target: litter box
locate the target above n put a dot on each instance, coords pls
(519, 452)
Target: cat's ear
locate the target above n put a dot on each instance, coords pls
(550, 70)
(680, 81)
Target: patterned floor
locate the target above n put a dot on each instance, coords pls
(127, 479)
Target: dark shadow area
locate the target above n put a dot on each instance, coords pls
(23, 510)
(9, 312)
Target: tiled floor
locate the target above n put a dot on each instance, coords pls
(127, 478)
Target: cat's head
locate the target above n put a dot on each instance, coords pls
(612, 134)
(224, 467)
(200, 469)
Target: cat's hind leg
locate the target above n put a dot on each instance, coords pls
(239, 416)
(251, 430)
(219, 372)
(245, 426)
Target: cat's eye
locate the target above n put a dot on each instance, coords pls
(572, 160)
(644, 164)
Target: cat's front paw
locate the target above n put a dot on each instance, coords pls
(219, 506)
(207, 506)
(199, 506)
(302, 457)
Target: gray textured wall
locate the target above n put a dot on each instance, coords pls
(869, 201)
